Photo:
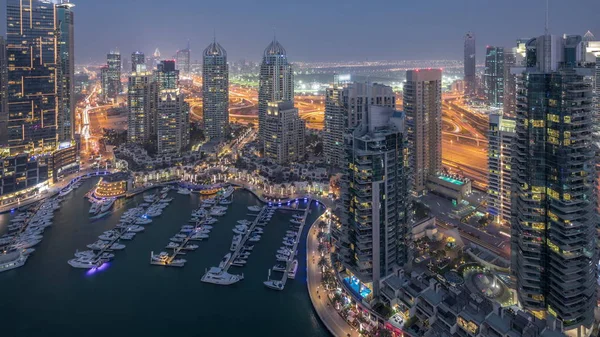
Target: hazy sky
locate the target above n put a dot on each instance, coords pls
(318, 30)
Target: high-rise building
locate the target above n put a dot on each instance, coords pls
(112, 76)
(284, 133)
(137, 58)
(3, 96)
(183, 60)
(173, 122)
(500, 136)
(33, 74)
(66, 88)
(166, 75)
(423, 108)
(469, 64)
(494, 76)
(513, 58)
(215, 91)
(375, 225)
(554, 251)
(345, 106)
(276, 82)
(138, 105)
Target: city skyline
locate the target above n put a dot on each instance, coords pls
(301, 32)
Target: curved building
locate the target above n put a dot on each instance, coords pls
(215, 90)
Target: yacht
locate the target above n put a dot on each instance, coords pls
(165, 189)
(190, 246)
(98, 245)
(209, 221)
(86, 262)
(273, 284)
(149, 198)
(235, 242)
(298, 216)
(254, 208)
(281, 258)
(144, 204)
(228, 192)
(177, 239)
(142, 221)
(117, 246)
(106, 205)
(187, 229)
(285, 252)
(183, 236)
(224, 261)
(65, 191)
(153, 212)
(254, 238)
(248, 248)
(163, 260)
(296, 222)
(184, 191)
(108, 237)
(24, 243)
(200, 213)
(95, 208)
(218, 276)
(128, 236)
(199, 236)
(91, 254)
(240, 230)
(135, 229)
(239, 262)
(244, 222)
(217, 212)
(165, 200)
(204, 227)
(172, 245)
(225, 202)
(12, 260)
(279, 267)
(210, 201)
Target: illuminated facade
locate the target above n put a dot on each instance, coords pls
(33, 75)
(138, 106)
(66, 88)
(276, 82)
(64, 160)
(469, 64)
(284, 133)
(183, 60)
(3, 94)
(112, 186)
(173, 122)
(137, 59)
(554, 251)
(345, 105)
(111, 79)
(375, 225)
(215, 91)
(22, 171)
(423, 108)
(500, 136)
(493, 77)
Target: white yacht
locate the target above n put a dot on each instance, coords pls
(98, 245)
(244, 222)
(228, 192)
(108, 237)
(209, 221)
(165, 189)
(12, 260)
(293, 269)
(279, 267)
(190, 246)
(187, 229)
(184, 191)
(142, 221)
(218, 276)
(281, 257)
(235, 242)
(65, 191)
(210, 201)
(117, 246)
(199, 236)
(225, 202)
(296, 222)
(107, 204)
(95, 208)
(163, 260)
(134, 228)
(254, 238)
(172, 245)
(217, 212)
(224, 261)
(274, 284)
(25, 243)
(177, 239)
(91, 254)
(127, 236)
(86, 262)
(298, 216)
(254, 208)
(285, 252)
(149, 198)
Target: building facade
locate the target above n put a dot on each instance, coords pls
(493, 76)
(423, 108)
(173, 122)
(138, 107)
(276, 82)
(500, 136)
(284, 133)
(3, 95)
(375, 224)
(469, 64)
(112, 79)
(137, 58)
(66, 49)
(215, 91)
(183, 60)
(554, 217)
(345, 106)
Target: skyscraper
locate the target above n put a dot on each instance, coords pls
(172, 122)
(375, 224)
(469, 64)
(345, 106)
(494, 76)
(500, 136)
(554, 252)
(276, 82)
(66, 45)
(215, 91)
(183, 60)
(167, 75)
(113, 76)
(284, 133)
(33, 74)
(423, 108)
(137, 58)
(3, 95)
(138, 105)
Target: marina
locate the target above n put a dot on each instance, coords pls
(149, 288)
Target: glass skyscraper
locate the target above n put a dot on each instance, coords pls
(66, 43)
(493, 76)
(215, 91)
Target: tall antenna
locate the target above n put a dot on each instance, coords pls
(214, 35)
(547, 10)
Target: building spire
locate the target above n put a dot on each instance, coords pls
(214, 35)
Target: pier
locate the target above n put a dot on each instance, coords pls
(241, 245)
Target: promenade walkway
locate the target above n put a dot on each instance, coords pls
(327, 313)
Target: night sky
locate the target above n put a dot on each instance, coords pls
(318, 30)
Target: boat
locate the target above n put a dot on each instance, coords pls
(190, 247)
(65, 191)
(144, 204)
(164, 201)
(172, 245)
(225, 202)
(142, 221)
(228, 192)
(254, 208)
(134, 229)
(24, 243)
(279, 267)
(274, 284)
(298, 216)
(128, 236)
(281, 258)
(183, 236)
(184, 191)
(248, 248)
(216, 212)
(95, 208)
(91, 254)
(106, 205)
(98, 245)
(235, 242)
(149, 198)
(209, 201)
(163, 260)
(176, 239)
(296, 222)
(239, 231)
(288, 243)
(285, 252)
(12, 260)
(199, 236)
(239, 262)
(293, 269)
(254, 238)
(218, 276)
(108, 237)
(204, 227)
(224, 261)
(117, 246)
(165, 189)
(86, 262)
(291, 232)
(244, 222)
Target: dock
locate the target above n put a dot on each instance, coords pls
(294, 249)
(236, 253)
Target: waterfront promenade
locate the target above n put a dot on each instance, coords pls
(327, 313)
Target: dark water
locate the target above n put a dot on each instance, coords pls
(47, 297)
